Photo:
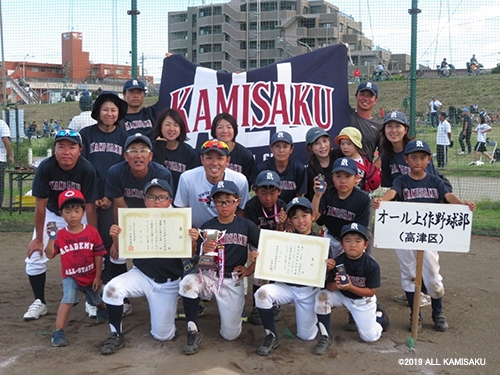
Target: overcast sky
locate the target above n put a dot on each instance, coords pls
(454, 29)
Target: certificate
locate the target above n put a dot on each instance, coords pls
(154, 233)
(292, 258)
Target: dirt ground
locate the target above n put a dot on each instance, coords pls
(471, 303)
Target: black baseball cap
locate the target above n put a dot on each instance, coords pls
(215, 145)
(416, 146)
(132, 84)
(345, 165)
(267, 178)
(396, 116)
(282, 137)
(354, 228)
(138, 137)
(299, 201)
(370, 86)
(69, 135)
(158, 182)
(225, 186)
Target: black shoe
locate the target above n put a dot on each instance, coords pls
(194, 338)
(323, 344)
(351, 324)
(277, 313)
(254, 317)
(114, 343)
(383, 318)
(270, 343)
(440, 323)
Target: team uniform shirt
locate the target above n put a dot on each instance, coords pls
(4, 133)
(336, 212)
(443, 129)
(103, 150)
(369, 129)
(293, 180)
(77, 253)
(121, 182)
(239, 234)
(363, 272)
(242, 161)
(141, 122)
(260, 216)
(81, 121)
(430, 189)
(176, 161)
(481, 130)
(314, 168)
(160, 268)
(51, 180)
(194, 191)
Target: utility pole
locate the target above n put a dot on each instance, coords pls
(414, 11)
(134, 13)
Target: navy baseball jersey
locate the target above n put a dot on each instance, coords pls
(336, 212)
(50, 180)
(293, 180)
(176, 161)
(263, 218)
(142, 122)
(103, 150)
(242, 161)
(121, 183)
(430, 189)
(369, 129)
(363, 272)
(239, 234)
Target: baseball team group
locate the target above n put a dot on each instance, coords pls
(133, 156)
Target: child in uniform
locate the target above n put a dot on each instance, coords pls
(354, 288)
(481, 129)
(419, 186)
(81, 249)
(301, 216)
(238, 234)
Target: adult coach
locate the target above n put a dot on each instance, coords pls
(466, 132)
(434, 107)
(138, 119)
(64, 170)
(195, 185)
(362, 119)
(6, 155)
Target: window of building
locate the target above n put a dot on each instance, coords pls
(217, 29)
(193, 20)
(217, 11)
(308, 23)
(352, 46)
(288, 5)
(315, 9)
(243, 45)
(227, 19)
(227, 37)
(252, 64)
(193, 55)
(253, 25)
(354, 60)
(267, 44)
(252, 44)
(325, 24)
(243, 26)
(243, 8)
(243, 64)
(217, 47)
(264, 62)
(269, 6)
(253, 7)
(205, 12)
(119, 71)
(207, 64)
(341, 27)
(268, 25)
(206, 30)
(205, 48)
(217, 65)
(227, 56)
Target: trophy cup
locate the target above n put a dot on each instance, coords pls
(209, 260)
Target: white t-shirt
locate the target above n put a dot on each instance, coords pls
(435, 105)
(481, 130)
(81, 121)
(194, 191)
(4, 132)
(442, 133)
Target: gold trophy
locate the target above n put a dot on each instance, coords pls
(209, 260)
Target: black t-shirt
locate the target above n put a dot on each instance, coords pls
(263, 218)
(369, 131)
(141, 122)
(293, 180)
(51, 180)
(314, 169)
(103, 150)
(363, 272)
(239, 233)
(336, 212)
(160, 267)
(242, 161)
(121, 182)
(176, 161)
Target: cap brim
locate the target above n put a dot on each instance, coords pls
(344, 169)
(71, 139)
(227, 191)
(218, 150)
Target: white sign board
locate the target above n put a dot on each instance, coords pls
(423, 226)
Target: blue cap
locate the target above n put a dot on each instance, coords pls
(282, 137)
(396, 116)
(268, 178)
(354, 227)
(346, 165)
(370, 86)
(158, 182)
(225, 186)
(134, 84)
(417, 145)
(299, 201)
(314, 133)
(465, 109)
(138, 137)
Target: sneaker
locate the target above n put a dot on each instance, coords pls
(351, 324)
(425, 300)
(419, 329)
(114, 343)
(492, 161)
(462, 153)
(270, 343)
(383, 318)
(472, 163)
(194, 338)
(323, 344)
(127, 308)
(244, 317)
(401, 298)
(440, 323)
(278, 314)
(102, 316)
(58, 338)
(254, 317)
(36, 310)
(91, 310)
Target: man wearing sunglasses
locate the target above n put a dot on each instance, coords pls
(66, 169)
(195, 185)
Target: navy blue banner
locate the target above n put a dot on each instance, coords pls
(292, 95)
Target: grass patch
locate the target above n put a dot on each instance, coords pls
(17, 222)
(486, 219)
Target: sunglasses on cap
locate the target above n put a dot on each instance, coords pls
(213, 143)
